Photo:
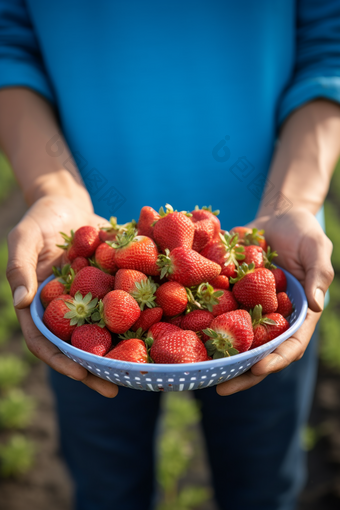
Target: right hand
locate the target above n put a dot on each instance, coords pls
(32, 252)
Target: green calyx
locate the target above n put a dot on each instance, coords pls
(256, 317)
(98, 316)
(234, 253)
(132, 334)
(207, 296)
(208, 208)
(193, 303)
(124, 238)
(168, 210)
(81, 309)
(219, 345)
(242, 271)
(164, 263)
(114, 227)
(148, 344)
(68, 240)
(268, 257)
(144, 293)
(254, 237)
(65, 275)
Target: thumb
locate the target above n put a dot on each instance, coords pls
(24, 244)
(319, 270)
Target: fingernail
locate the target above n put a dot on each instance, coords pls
(319, 297)
(19, 294)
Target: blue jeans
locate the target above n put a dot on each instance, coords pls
(252, 438)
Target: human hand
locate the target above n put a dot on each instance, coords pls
(32, 252)
(305, 251)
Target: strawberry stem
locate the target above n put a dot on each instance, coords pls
(81, 309)
(242, 271)
(145, 293)
(234, 253)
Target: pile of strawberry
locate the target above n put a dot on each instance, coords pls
(172, 288)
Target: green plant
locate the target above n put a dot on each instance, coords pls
(16, 409)
(176, 453)
(16, 456)
(12, 371)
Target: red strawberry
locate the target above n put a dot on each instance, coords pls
(160, 329)
(204, 233)
(71, 252)
(254, 254)
(187, 267)
(82, 243)
(226, 303)
(225, 251)
(105, 258)
(55, 321)
(230, 270)
(126, 279)
(138, 285)
(52, 290)
(173, 229)
(280, 327)
(285, 306)
(206, 213)
(79, 263)
(147, 217)
(92, 338)
(91, 279)
(177, 320)
(248, 236)
(119, 311)
(280, 279)
(230, 333)
(65, 297)
(220, 282)
(255, 287)
(172, 298)
(260, 335)
(178, 347)
(147, 318)
(217, 301)
(132, 349)
(136, 252)
(197, 320)
(267, 327)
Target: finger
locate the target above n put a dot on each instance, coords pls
(105, 388)
(53, 357)
(24, 244)
(316, 258)
(289, 351)
(240, 383)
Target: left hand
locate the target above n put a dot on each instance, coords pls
(305, 251)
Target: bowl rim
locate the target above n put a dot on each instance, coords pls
(170, 367)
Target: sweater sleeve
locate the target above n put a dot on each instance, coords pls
(21, 62)
(317, 63)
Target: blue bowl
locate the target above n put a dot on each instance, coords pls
(169, 377)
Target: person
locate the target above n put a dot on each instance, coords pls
(109, 106)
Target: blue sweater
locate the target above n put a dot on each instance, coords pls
(176, 102)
